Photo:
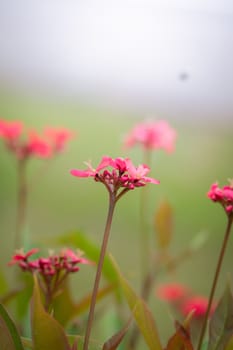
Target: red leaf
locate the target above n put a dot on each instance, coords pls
(116, 339)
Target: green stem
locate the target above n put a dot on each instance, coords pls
(217, 272)
(112, 203)
(21, 203)
(144, 234)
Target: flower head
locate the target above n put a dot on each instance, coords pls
(52, 270)
(223, 195)
(152, 135)
(116, 173)
(21, 258)
(25, 143)
(64, 262)
(58, 137)
(172, 292)
(198, 304)
(10, 130)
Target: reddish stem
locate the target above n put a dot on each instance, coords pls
(217, 272)
(112, 202)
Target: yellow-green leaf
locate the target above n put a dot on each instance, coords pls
(221, 323)
(47, 333)
(163, 224)
(142, 315)
(229, 345)
(65, 308)
(9, 337)
(116, 339)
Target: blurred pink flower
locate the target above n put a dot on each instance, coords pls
(117, 173)
(30, 143)
(198, 304)
(152, 135)
(36, 145)
(224, 196)
(58, 137)
(172, 292)
(21, 256)
(10, 130)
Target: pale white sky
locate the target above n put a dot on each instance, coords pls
(158, 53)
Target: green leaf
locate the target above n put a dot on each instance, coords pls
(221, 324)
(27, 343)
(116, 339)
(47, 333)
(229, 345)
(163, 224)
(9, 337)
(65, 309)
(141, 313)
(3, 284)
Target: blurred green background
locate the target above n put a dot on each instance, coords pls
(60, 203)
(98, 68)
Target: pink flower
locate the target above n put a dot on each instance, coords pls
(224, 196)
(152, 135)
(31, 143)
(36, 145)
(10, 130)
(65, 262)
(20, 255)
(58, 137)
(21, 259)
(172, 292)
(117, 173)
(198, 304)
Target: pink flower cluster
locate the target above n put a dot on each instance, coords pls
(224, 196)
(30, 143)
(117, 173)
(183, 299)
(56, 264)
(152, 135)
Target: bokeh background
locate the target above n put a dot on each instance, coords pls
(98, 67)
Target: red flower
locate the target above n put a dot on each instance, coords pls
(224, 196)
(152, 135)
(32, 144)
(58, 137)
(117, 173)
(64, 262)
(21, 259)
(10, 130)
(198, 304)
(172, 292)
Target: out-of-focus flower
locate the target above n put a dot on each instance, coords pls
(10, 130)
(172, 292)
(197, 304)
(117, 173)
(52, 270)
(58, 137)
(21, 258)
(223, 195)
(64, 262)
(25, 143)
(152, 135)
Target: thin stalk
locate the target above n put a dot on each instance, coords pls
(111, 208)
(144, 234)
(146, 275)
(216, 275)
(21, 203)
